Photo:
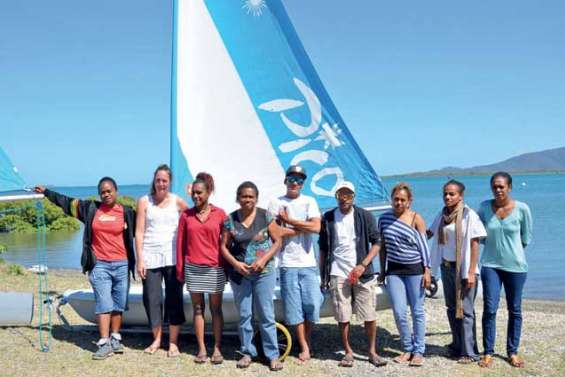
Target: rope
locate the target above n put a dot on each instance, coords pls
(43, 300)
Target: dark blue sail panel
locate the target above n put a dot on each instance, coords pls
(10, 179)
(247, 103)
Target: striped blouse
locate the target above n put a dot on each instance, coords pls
(404, 244)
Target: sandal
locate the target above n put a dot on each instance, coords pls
(377, 361)
(217, 359)
(173, 352)
(417, 361)
(201, 359)
(516, 362)
(347, 361)
(244, 362)
(465, 360)
(151, 350)
(402, 358)
(275, 365)
(486, 361)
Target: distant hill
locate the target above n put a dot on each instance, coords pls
(550, 160)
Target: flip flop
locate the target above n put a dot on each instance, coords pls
(244, 362)
(347, 361)
(275, 365)
(417, 361)
(377, 361)
(200, 359)
(465, 360)
(516, 362)
(217, 359)
(150, 350)
(486, 361)
(402, 358)
(173, 353)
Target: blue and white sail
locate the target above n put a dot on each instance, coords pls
(247, 103)
(10, 179)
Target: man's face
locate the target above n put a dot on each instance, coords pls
(344, 197)
(294, 183)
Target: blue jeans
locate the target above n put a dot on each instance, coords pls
(256, 292)
(513, 282)
(301, 295)
(110, 283)
(403, 290)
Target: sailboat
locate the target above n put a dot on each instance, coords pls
(246, 102)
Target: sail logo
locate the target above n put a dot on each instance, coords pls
(308, 135)
(254, 7)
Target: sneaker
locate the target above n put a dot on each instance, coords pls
(104, 351)
(117, 346)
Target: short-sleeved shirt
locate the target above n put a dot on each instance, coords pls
(199, 242)
(345, 253)
(249, 243)
(108, 233)
(297, 251)
(504, 245)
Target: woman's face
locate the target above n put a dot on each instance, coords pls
(247, 198)
(108, 193)
(162, 182)
(451, 196)
(400, 201)
(200, 194)
(500, 189)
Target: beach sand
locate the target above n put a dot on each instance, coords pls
(543, 345)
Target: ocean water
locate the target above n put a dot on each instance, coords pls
(545, 194)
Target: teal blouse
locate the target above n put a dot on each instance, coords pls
(506, 240)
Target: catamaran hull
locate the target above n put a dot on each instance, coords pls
(82, 301)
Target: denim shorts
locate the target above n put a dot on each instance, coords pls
(110, 283)
(300, 291)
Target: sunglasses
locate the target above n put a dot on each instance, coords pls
(295, 179)
(344, 196)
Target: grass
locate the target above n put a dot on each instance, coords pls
(543, 345)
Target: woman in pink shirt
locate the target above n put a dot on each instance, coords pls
(199, 262)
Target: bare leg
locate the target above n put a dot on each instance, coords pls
(156, 344)
(217, 321)
(304, 354)
(116, 321)
(344, 332)
(174, 331)
(371, 332)
(104, 325)
(198, 306)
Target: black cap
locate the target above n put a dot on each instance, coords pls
(296, 169)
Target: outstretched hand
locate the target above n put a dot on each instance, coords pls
(39, 189)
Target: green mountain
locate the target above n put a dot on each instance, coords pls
(550, 160)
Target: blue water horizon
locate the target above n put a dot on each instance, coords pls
(542, 192)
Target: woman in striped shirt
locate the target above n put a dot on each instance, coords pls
(405, 260)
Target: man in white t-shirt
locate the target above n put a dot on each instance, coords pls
(299, 217)
(349, 241)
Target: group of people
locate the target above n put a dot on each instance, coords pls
(201, 247)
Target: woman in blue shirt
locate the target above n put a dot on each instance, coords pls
(509, 230)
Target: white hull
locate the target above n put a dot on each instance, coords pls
(82, 301)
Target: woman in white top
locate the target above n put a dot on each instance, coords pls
(456, 231)
(155, 240)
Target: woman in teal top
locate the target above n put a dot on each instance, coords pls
(509, 230)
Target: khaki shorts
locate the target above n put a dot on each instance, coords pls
(364, 297)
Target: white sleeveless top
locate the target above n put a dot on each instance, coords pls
(159, 241)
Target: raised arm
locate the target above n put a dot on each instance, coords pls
(139, 235)
(70, 206)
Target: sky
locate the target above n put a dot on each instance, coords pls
(85, 85)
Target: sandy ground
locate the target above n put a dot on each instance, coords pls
(543, 345)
